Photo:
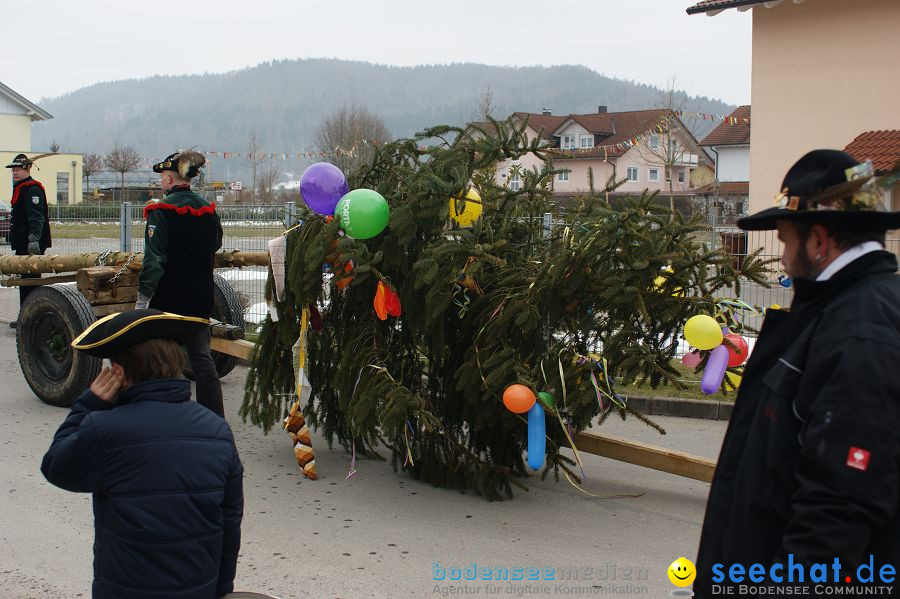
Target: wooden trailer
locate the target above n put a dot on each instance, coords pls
(84, 287)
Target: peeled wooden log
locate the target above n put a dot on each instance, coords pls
(21, 265)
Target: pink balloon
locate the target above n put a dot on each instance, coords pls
(691, 359)
(715, 370)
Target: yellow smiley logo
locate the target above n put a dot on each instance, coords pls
(682, 572)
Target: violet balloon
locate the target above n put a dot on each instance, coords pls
(715, 370)
(322, 185)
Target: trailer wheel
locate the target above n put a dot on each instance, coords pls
(50, 319)
(227, 309)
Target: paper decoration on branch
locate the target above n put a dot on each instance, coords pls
(295, 424)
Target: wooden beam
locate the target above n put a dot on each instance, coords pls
(233, 347)
(38, 282)
(648, 456)
(106, 309)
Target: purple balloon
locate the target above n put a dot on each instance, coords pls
(322, 185)
(715, 370)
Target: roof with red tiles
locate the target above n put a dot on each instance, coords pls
(731, 135)
(725, 188)
(719, 5)
(881, 147)
(611, 127)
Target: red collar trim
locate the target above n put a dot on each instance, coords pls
(20, 186)
(180, 210)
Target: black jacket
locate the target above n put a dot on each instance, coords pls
(29, 216)
(167, 485)
(810, 462)
(182, 236)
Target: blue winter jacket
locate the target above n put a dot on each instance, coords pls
(167, 485)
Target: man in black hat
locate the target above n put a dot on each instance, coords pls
(810, 465)
(29, 229)
(164, 471)
(181, 238)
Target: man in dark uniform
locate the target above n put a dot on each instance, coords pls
(182, 236)
(29, 229)
(810, 465)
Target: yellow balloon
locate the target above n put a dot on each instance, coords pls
(470, 211)
(703, 332)
(734, 379)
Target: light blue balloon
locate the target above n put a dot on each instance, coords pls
(537, 436)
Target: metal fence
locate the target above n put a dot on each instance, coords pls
(95, 228)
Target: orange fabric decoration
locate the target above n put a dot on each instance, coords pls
(380, 302)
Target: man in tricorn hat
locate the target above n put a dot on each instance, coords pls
(181, 238)
(164, 471)
(810, 465)
(29, 228)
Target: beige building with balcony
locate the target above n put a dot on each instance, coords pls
(59, 173)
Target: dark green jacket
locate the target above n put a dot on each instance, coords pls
(182, 236)
(29, 216)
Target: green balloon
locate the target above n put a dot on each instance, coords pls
(363, 213)
(546, 398)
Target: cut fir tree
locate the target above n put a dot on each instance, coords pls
(501, 301)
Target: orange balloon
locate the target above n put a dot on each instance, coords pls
(518, 398)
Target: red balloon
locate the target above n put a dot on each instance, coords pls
(518, 398)
(735, 358)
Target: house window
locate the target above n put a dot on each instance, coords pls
(673, 148)
(654, 175)
(632, 173)
(62, 188)
(514, 182)
(587, 141)
(653, 142)
(681, 176)
(563, 176)
(568, 142)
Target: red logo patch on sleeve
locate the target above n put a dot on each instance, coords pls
(858, 458)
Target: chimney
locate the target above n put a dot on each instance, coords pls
(545, 111)
(601, 109)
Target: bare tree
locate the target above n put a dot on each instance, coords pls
(122, 159)
(486, 106)
(348, 135)
(92, 164)
(254, 160)
(54, 146)
(267, 177)
(666, 146)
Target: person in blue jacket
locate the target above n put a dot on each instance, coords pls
(164, 471)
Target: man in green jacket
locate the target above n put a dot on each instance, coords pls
(29, 231)
(181, 238)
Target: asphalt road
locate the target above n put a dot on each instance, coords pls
(378, 534)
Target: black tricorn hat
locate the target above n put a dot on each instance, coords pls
(187, 164)
(20, 161)
(827, 186)
(110, 335)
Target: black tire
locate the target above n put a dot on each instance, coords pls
(227, 309)
(50, 319)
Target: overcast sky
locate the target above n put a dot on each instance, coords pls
(52, 47)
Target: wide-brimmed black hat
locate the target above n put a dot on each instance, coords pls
(187, 164)
(827, 186)
(20, 161)
(112, 334)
